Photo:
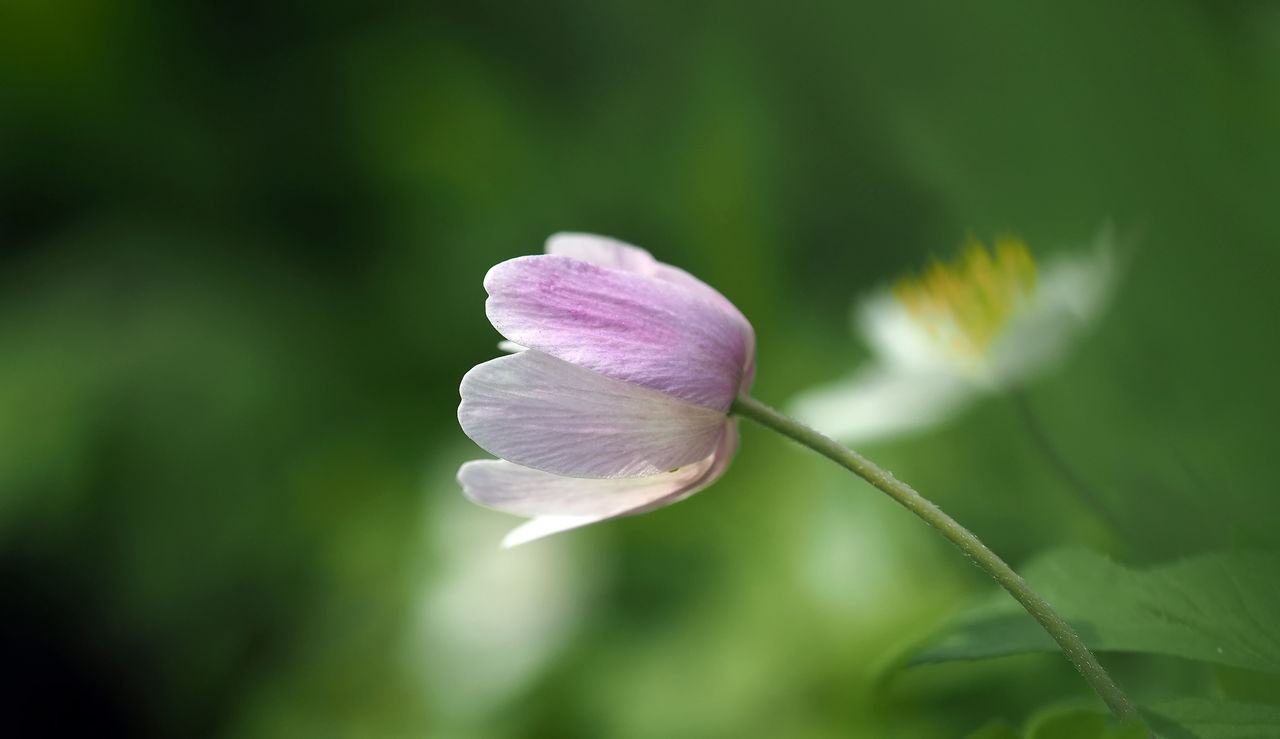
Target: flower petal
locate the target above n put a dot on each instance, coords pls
(541, 412)
(677, 276)
(524, 491)
(880, 402)
(603, 251)
(1072, 291)
(543, 526)
(895, 337)
(563, 503)
(614, 254)
(1079, 283)
(625, 325)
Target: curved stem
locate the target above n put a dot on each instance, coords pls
(1062, 633)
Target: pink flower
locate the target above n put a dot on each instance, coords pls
(616, 398)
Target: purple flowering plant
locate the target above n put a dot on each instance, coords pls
(619, 396)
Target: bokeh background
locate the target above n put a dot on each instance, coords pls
(243, 246)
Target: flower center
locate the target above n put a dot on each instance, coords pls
(966, 303)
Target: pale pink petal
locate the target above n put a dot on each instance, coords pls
(563, 503)
(524, 491)
(677, 276)
(720, 460)
(538, 411)
(603, 251)
(643, 330)
(614, 254)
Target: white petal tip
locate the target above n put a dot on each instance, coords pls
(544, 526)
(878, 403)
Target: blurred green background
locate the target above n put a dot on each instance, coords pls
(243, 246)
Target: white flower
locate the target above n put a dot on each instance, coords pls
(989, 320)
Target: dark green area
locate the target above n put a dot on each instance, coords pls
(240, 280)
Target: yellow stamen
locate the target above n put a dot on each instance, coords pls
(966, 303)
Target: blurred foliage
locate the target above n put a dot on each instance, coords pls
(1220, 608)
(1198, 718)
(242, 253)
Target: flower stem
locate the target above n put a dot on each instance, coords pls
(1062, 633)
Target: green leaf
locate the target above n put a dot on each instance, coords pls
(1248, 686)
(1221, 607)
(1204, 718)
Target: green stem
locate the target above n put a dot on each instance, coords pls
(1062, 633)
